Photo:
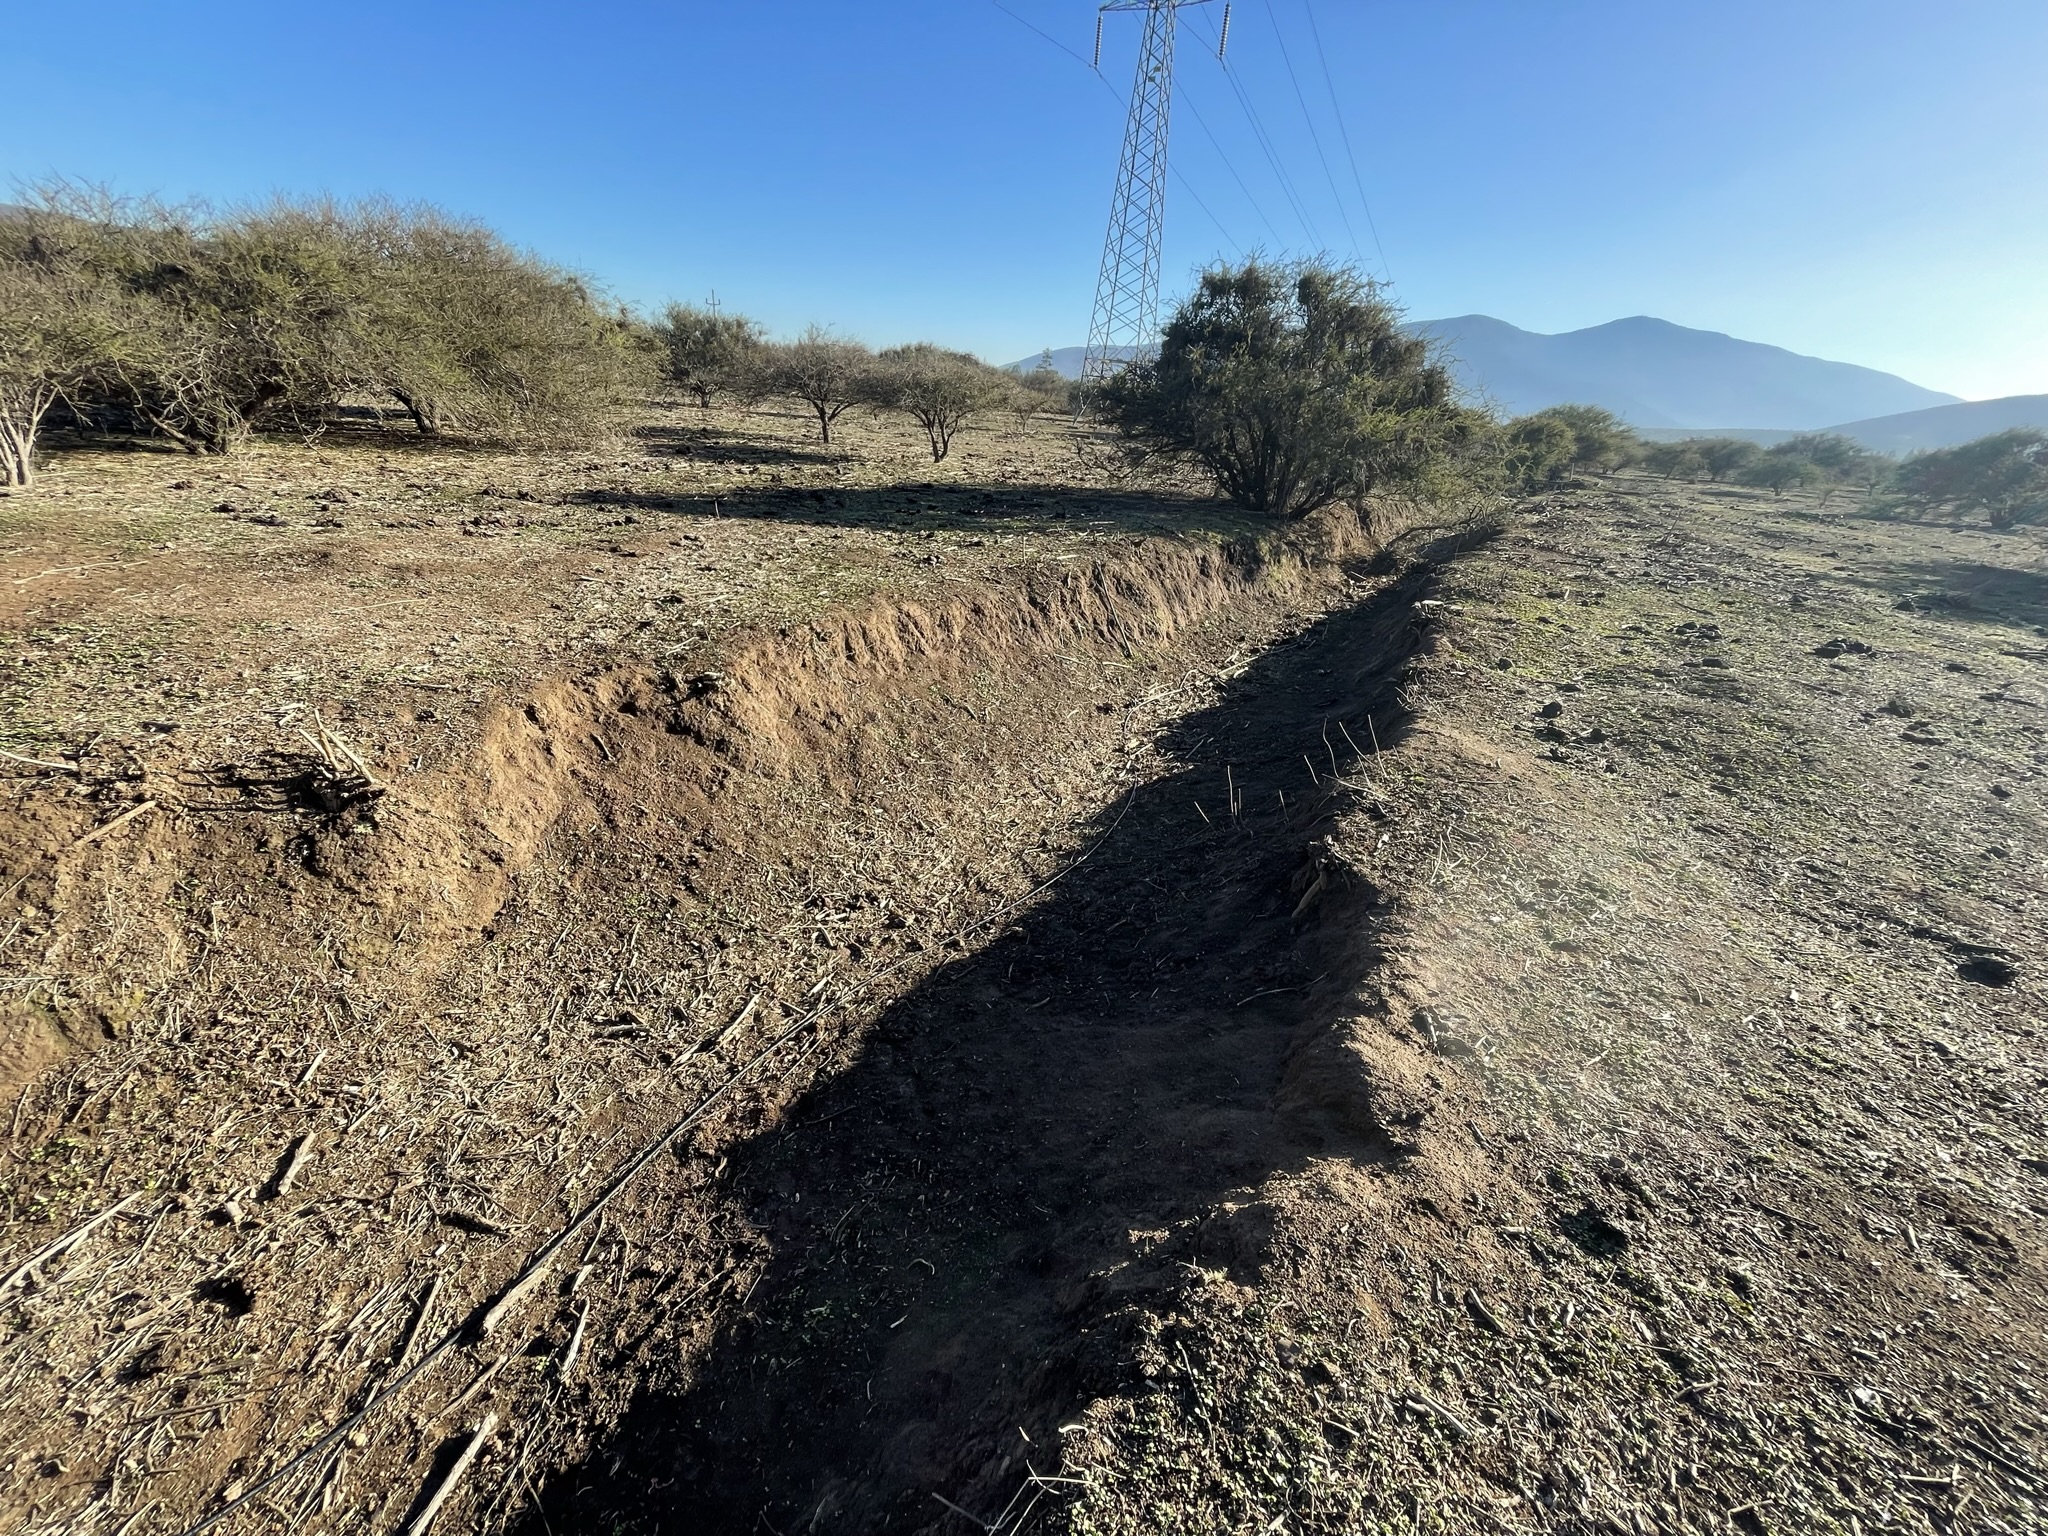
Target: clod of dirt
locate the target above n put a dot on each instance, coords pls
(1989, 971)
(1591, 1229)
(1900, 706)
(228, 1292)
(1830, 649)
(2001, 791)
(1552, 709)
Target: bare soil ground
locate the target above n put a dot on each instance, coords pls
(899, 999)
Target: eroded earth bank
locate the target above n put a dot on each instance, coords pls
(1526, 1027)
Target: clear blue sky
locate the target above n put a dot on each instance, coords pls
(1859, 179)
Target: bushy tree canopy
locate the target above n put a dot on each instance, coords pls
(940, 390)
(827, 373)
(202, 328)
(2004, 476)
(709, 352)
(1294, 388)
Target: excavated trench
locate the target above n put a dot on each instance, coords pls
(1033, 1144)
(1002, 942)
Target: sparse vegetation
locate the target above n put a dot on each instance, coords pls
(709, 352)
(940, 390)
(1293, 388)
(2004, 477)
(1043, 389)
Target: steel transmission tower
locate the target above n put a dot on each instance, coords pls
(1127, 292)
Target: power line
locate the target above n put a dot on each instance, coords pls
(1063, 48)
(1337, 107)
(1184, 184)
(1265, 143)
(1313, 137)
(1222, 155)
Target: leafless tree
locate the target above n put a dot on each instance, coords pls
(941, 390)
(826, 372)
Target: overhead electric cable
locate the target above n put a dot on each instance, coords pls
(1222, 155)
(1337, 107)
(1063, 48)
(1172, 170)
(1313, 137)
(1265, 143)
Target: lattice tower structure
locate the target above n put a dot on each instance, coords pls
(1126, 317)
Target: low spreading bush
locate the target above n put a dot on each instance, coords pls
(201, 328)
(1293, 387)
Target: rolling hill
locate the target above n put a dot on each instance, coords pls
(1944, 426)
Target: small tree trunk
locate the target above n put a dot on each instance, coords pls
(21, 422)
(824, 422)
(423, 414)
(17, 455)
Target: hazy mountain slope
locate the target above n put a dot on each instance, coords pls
(1065, 360)
(1652, 373)
(1944, 426)
(1656, 374)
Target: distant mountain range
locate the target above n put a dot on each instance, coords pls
(1652, 373)
(1671, 381)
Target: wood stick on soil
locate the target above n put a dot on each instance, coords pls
(354, 758)
(440, 1494)
(288, 1171)
(419, 1321)
(481, 1380)
(575, 1349)
(37, 762)
(1443, 1415)
(116, 824)
(67, 1242)
(542, 1261)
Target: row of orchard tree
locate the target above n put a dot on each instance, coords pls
(710, 354)
(201, 328)
(2002, 478)
(1289, 386)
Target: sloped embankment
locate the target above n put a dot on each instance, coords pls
(361, 1053)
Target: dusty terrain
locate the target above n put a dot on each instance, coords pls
(725, 985)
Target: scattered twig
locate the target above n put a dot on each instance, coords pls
(1449, 1419)
(67, 1242)
(288, 1171)
(116, 824)
(440, 1494)
(974, 1519)
(575, 1349)
(37, 762)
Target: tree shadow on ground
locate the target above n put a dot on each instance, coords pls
(1974, 591)
(1042, 1135)
(717, 443)
(932, 506)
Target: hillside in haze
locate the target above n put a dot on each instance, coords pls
(1651, 373)
(1945, 426)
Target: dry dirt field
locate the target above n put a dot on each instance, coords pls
(728, 985)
